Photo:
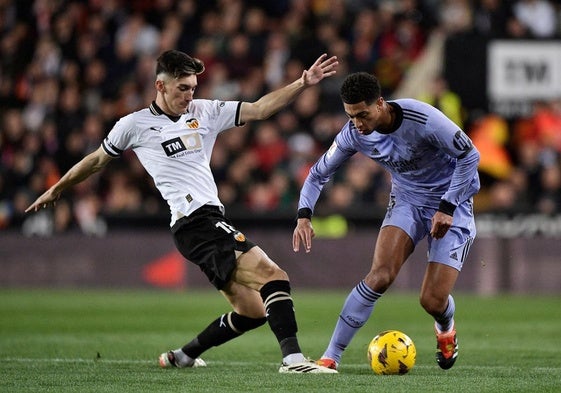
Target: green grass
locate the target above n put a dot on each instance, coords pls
(108, 341)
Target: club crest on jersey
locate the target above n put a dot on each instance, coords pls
(240, 237)
(182, 145)
(192, 123)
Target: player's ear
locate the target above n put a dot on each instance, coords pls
(380, 103)
(160, 86)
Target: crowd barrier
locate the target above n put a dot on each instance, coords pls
(497, 263)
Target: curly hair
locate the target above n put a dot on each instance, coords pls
(360, 86)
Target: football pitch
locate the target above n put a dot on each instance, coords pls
(109, 340)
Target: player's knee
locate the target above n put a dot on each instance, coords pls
(281, 275)
(268, 270)
(272, 271)
(379, 280)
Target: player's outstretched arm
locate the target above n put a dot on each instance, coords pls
(90, 164)
(274, 101)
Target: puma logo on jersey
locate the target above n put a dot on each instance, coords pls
(157, 129)
(192, 123)
(186, 144)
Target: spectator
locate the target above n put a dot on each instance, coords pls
(270, 148)
(490, 134)
(456, 16)
(440, 96)
(68, 70)
(547, 122)
(537, 17)
(491, 18)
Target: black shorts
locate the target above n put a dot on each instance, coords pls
(208, 239)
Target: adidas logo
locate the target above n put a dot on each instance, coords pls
(454, 256)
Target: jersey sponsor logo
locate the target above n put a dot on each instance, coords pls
(402, 166)
(182, 145)
(462, 141)
(192, 123)
(157, 129)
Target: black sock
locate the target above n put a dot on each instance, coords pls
(221, 330)
(280, 315)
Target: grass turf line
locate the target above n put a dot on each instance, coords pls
(108, 341)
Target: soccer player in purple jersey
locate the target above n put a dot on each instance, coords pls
(173, 139)
(433, 165)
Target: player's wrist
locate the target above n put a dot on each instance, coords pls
(301, 82)
(304, 212)
(446, 207)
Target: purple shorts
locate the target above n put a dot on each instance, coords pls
(415, 220)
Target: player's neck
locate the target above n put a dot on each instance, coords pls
(392, 118)
(161, 109)
(388, 119)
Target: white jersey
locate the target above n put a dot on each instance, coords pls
(176, 152)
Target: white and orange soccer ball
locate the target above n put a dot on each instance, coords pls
(391, 352)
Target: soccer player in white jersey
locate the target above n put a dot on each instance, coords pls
(173, 140)
(433, 166)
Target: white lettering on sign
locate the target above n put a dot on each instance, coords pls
(523, 70)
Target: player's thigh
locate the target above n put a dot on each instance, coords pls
(244, 300)
(393, 247)
(254, 269)
(403, 227)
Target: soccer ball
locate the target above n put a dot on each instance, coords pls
(391, 352)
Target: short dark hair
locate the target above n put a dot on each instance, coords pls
(360, 86)
(178, 64)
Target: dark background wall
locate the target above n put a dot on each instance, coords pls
(147, 258)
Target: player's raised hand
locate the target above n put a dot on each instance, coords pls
(48, 198)
(322, 68)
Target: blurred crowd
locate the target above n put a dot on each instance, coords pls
(70, 69)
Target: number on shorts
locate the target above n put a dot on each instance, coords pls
(225, 226)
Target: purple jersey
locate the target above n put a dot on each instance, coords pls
(429, 157)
